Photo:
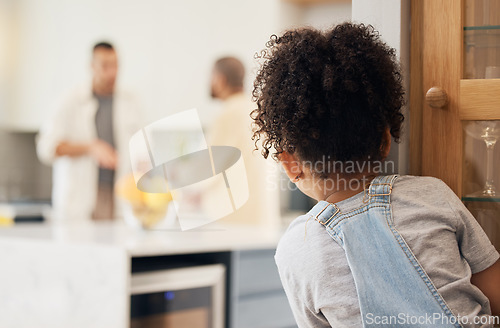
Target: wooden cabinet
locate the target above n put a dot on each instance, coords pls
(455, 101)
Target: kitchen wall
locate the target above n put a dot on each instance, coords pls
(321, 16)
(391, 19)
(22, 176)
(7, 55)
(166, 49)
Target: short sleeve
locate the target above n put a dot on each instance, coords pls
(473, 242)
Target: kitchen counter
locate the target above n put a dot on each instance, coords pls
(139, 243)
(78, 275)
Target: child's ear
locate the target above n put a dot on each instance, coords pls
(291, 165)
(385, 147)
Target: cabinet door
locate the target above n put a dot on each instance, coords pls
(436, 61)
(455, 101)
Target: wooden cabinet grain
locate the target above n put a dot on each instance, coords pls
(455, 47)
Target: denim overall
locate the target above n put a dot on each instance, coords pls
(393, 289)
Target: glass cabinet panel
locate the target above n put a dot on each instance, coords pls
(481, 165)
(482, 39)
(482, 156)
(481, 187)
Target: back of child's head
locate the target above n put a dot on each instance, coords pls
(327, 95)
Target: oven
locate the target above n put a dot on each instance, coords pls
(178, 298)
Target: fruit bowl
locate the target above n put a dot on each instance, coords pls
(144, 209)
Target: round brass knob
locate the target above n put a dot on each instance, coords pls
(436, 97)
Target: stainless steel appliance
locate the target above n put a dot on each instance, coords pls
(177, 298)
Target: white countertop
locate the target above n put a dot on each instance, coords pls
(139, 243)
(78, 275)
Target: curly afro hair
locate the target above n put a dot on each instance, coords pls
(327, 94)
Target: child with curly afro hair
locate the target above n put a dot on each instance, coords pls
(376, 250)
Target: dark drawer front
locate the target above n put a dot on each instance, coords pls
(270, 311)
(257, 273)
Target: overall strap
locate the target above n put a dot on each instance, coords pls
(379, 191)
(381, 188)
(324, 212)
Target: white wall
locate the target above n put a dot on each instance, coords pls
(321, 16)
(387, 16)
(166, 49)
(392, 19)
(7, 54)
(324, 16)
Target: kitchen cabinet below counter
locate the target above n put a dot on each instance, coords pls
(80, 275)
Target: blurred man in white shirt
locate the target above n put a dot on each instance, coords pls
(86, 140)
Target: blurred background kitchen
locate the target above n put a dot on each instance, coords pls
(145, 274)
(112, 274)
(166, 52)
